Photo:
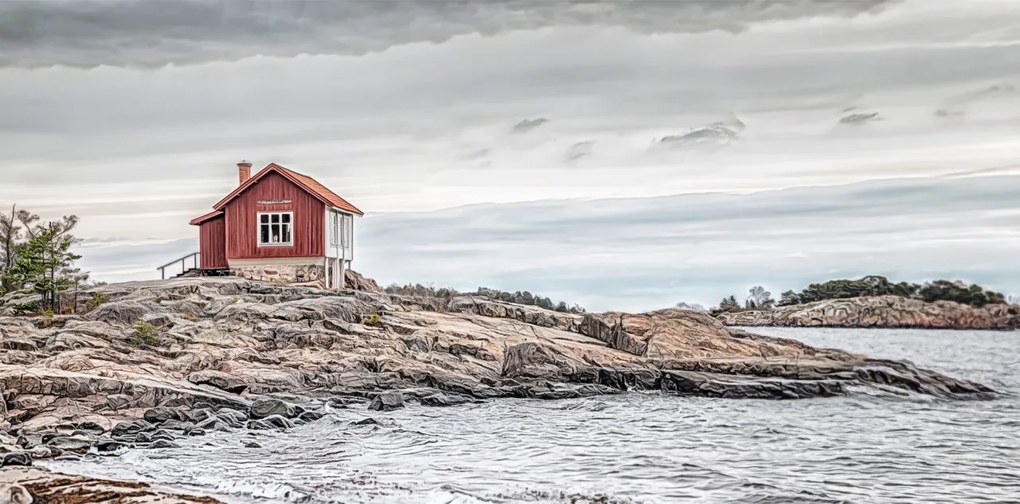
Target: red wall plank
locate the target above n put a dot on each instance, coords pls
(242, 220)
(213, 243)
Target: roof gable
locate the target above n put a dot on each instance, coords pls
(207, 217)
(306, 183)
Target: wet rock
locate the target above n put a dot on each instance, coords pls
(345, 402)
(176, 425)
(388, 401)
(310, 416)
(445, 400)
(732, 387)
(271, 423)
(90, 427)
(214, 424)
(106, 445)
(199, 415)
(366, 421)
(126, 429)
(232, 417)
(630, 379)
(162, 414)
(16, 459)
(553, 392)
(252, 444)
(75, 444)
(160, 444)
(164, 435)
(194, 431)
(264, 408)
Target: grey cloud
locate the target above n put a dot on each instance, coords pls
(711, 135)
(956, 106)
(860, 118)
(529, 124)
(579, 150)
(992, 91)
(159, 32)
(717, 134)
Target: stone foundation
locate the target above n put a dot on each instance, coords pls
(281, 273)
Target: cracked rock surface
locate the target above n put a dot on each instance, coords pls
(222, 350)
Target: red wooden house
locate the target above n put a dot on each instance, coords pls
(279, 226)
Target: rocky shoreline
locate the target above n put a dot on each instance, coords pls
(881, 312)
(158, 361)
(25, 485)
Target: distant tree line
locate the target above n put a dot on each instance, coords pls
(518, 297)
(36, 257)
(873, 285)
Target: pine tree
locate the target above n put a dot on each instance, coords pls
(45, 264)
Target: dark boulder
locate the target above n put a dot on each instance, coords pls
(200, 415)
(125, 429)
(75, 444)
(560, 391)
(218, 379)
(176, 425)
(387, 401)
(16, 459)
(310, 416)
(164, 435)
(264, 408)
(163, 444)
(213, 424)
(90, 427)
(232, 417)
(118, 402)
(194, 431)
(106, 445)
(440, 399)
(162, 414)
(271, 423)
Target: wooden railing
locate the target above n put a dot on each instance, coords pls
(195, 257)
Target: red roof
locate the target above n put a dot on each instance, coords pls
(207, 217)
(305, 182)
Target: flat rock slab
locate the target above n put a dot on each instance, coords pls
(222, 342)
(45, 486)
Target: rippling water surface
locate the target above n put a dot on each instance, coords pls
(640, 447)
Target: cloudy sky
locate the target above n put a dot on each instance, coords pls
(618, 154)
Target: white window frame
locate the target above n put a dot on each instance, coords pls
(258, 228)
(347, 240)
(334, 228)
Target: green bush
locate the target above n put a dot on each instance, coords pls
(373, 320)
(98, 299)
(145, 334)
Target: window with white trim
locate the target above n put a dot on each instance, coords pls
(334, 229)
(348, 232)
(276, 229)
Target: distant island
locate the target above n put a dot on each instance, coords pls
(875, 301)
